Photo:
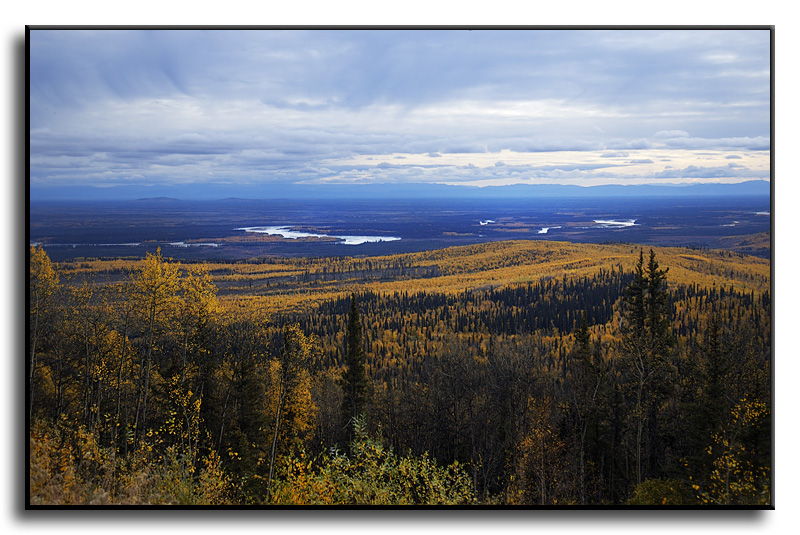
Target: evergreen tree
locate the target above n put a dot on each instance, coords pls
(584, 392)
(646, 345)
(355, 384)
(705, 402)
(635, 298)
(658, 307)
(247, 439)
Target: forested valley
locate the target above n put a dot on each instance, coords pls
(504, 374)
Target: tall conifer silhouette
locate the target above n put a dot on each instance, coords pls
(354, 380)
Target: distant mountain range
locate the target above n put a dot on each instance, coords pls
(391, 191)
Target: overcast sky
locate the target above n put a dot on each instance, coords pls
(376, 106)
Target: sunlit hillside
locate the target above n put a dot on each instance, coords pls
(280, 284)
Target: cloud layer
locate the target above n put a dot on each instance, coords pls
(450, 106)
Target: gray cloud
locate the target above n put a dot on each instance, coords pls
(746, 143)
(251, 106)
(694, 171)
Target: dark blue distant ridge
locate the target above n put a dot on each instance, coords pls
(389, 191)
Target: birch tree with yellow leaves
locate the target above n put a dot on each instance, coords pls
(155, 292)
(43, 284)
(295, 411)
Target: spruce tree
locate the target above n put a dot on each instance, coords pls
(355, 384)
(657, 305)
(635, 298)
(646, 345)
(583, 386)
(704, 401)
